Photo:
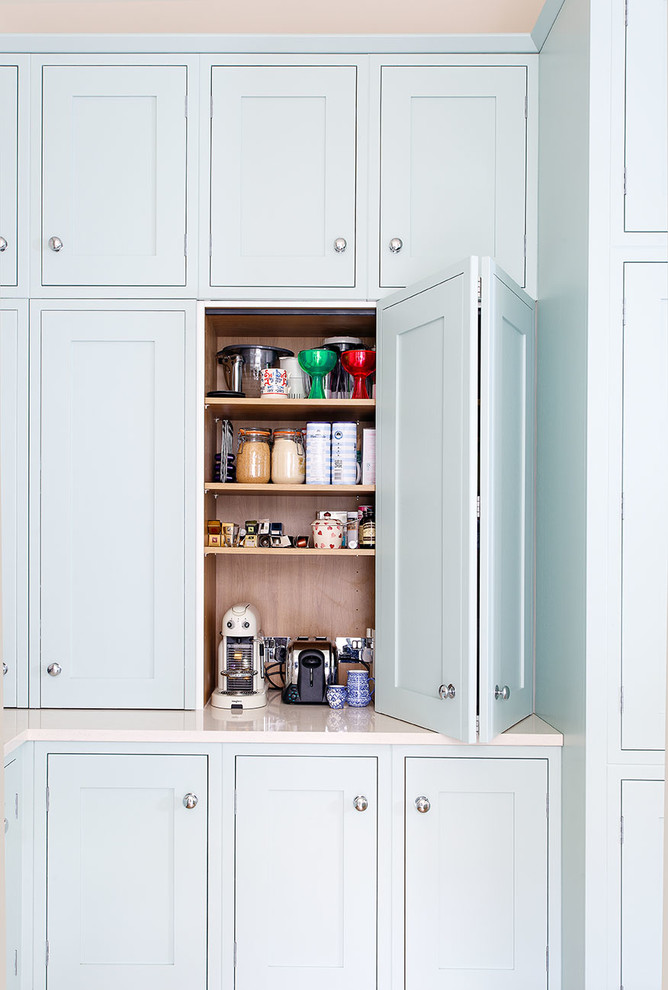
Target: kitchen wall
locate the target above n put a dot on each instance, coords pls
(270, 17)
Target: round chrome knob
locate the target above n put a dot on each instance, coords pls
(360, 803)
(340, 244)
(446, 692)
(502, 694)
(55, 244)
(5, 668)
(396, 245)
(3, 243)
(422, 804)
(54, 669)
(190, 801)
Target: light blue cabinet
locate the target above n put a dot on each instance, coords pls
(645, 115)
(283, 175)
(114, 175)
(110, 581)
(13, 833)
(453, 168)
(9, 228)
(644, 580)
(476, 874)
(641, 884)
(306, 853)
(454, 614)
(14, 499)
(127, 872)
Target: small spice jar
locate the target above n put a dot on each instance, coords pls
(254, 457)
(288, 461)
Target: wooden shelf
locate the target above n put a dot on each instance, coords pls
(233, 488)
(286, 552)
(292, 409)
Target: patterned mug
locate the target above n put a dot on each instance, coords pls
(336, 695)
(359, 693)
(274, 382)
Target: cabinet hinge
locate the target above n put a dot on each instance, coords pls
(477, 725)
(626, 24)
(621, 700)
(16, 807)
(48, 800)
(621, 830)
(624, 313)
(235, 802)
(625, 182)
(16, 962)
(547, 805)
(185, 245)
(621, 505)
(526, 105)
(480, 289)
(525, 247)
(547, 959)
(210, 245)
(211, 108)
(186, 106)
(477, 506)
(47, 954)
(235, 955)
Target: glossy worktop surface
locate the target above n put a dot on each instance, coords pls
(275, 723)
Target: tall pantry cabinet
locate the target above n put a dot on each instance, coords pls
(602, 542)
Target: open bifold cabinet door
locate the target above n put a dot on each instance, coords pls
(455, 503)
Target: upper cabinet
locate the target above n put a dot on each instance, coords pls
(645, 152)
(283, 176)
(453, 168)
(9, 105)
(114, 176)
(110, 471)
(454, 613)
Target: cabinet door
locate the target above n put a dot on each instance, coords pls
(283, 158)
(428, 594)
(453, 168)
(9, 81)
(476, 874)
(14, 499)
(127, 872)
(644, 592)
(646, 110)
(305, 873)
(112, 508)
(13, 875)
(642, 886)
(114, 175)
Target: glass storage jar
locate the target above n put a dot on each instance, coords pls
(254, 457)
(288, 461)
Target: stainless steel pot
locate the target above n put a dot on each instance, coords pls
(254, 357)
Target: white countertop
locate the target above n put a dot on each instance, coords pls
(276, 723)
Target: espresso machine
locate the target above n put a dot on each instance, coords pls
(240, 661)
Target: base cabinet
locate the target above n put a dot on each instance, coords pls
(306, 846)
(476, 874)
(641, 884)
(127, 872)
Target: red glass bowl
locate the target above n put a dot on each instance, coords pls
(359, 364)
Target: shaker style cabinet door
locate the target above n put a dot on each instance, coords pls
(113, 175)
(283, 159)
(453, 169)
(644, 591)
(641, 886)
(646, 112)
(14, 500)
(14, 978)
(9, 94)
(306, 872)
(127, 872)
(456, 437)
(112, 506)
(476, 874)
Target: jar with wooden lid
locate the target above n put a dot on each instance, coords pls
(254, 457)
(288, 461)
